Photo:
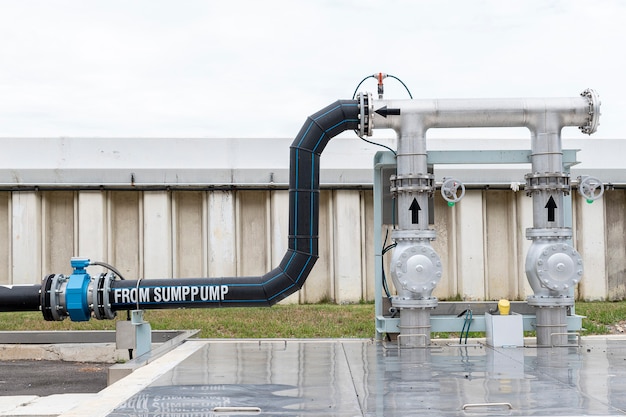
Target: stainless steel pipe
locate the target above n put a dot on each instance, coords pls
(552, 265)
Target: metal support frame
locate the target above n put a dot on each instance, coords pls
(135, 334)
(451, 323)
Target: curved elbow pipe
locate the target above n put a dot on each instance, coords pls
(79, 295)
(289, 276)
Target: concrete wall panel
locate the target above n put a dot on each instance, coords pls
(590, 242)
(523, 220)
(500, 244)
(615, 212)
(445, 246)
(26, 237)
(92, 227)
(157, 234)
(57, 230)
(470, 246)
(192, 233)
(252, 233)
(5, 238)
(367, 220)
(221, 234)
(188, 234)
(348, 248)
(125, 227)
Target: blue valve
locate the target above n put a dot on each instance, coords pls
(76, 303)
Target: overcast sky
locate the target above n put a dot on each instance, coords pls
(190, 68)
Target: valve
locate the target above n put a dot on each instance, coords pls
(415, 269)
(452, 190)
(590, 188)
(76, 291)
(381, 89)
(78, 296)
(553, 268)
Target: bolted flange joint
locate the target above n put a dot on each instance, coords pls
(365, 114)
(594, 111)
(412, 183)
(549, 181)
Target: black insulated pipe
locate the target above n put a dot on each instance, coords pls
(302, 252)
(19, 298)
(264, 290)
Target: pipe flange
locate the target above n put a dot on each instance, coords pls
(549, 233)
(547, 302)
(53, 297)
(365, 114)
(548, 181)
(594, 111)
(424, 303)
(414, 235)
(99, 290)
(412, 183)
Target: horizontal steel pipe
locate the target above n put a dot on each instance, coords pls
(462, 113)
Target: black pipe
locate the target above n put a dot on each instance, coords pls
(265, 290)
(19, 298)
(302, 252)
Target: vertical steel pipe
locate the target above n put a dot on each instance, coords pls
(552, 266)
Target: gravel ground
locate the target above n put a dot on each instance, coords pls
(42, 378)
(618, 328)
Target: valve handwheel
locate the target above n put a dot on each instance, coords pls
(452, 190)
(591, 188)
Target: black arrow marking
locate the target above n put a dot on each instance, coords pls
(384, 111)
(415, 209)
(551, 206)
